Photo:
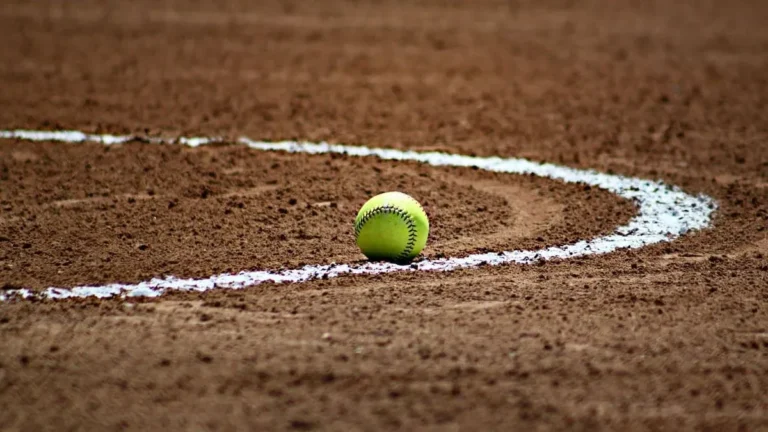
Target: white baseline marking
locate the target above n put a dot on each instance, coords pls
(664, 213)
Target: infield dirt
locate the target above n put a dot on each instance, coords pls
(668, 337)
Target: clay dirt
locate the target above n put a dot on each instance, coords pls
(672, 336)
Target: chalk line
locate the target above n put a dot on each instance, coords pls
(664, 213)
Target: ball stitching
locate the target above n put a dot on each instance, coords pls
(403, 215)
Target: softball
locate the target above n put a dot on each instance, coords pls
(391, 226)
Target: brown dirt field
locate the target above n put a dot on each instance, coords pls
(668, 337)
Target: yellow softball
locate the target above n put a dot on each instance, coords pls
(391, 226)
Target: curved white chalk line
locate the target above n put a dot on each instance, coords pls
(664, 213)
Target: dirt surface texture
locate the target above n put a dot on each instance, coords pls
(673, 336)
